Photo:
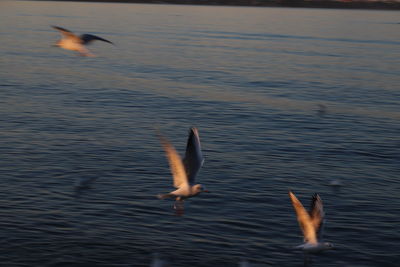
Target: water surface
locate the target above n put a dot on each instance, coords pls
(251, 79)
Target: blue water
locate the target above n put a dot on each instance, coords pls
(252, 80)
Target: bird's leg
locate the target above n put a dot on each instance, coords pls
(179, 206)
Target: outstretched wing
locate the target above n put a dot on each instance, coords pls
(193, 157)
(317, 213)
(175, 164)
(304, 220)
(65, 33)
(88, 38)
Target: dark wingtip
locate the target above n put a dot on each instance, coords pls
(60, 28)
(107, 41)
(88, 38)
(193, 131)
(104, 40)
(316, 196)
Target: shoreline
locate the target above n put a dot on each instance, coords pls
(375, 5)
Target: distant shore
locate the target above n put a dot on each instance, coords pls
(344, 4)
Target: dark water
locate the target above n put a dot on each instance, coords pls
(251, 80)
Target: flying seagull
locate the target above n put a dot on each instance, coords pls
(244, 263)
(70, 41)
(157, 261)
(184, 171)
(84, 182)
(310, 224)
(336, 183)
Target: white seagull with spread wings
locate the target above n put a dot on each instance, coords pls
(310, 224)
(184, 171)
(70, 41)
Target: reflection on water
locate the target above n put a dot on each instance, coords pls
(283, 98)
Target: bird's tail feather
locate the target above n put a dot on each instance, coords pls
(164, 196)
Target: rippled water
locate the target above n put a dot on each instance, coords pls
(251, 80)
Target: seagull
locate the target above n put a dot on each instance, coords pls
(70, 41)
(84, 183)
(157, 261)
(244, 263)
(336, 183)
(310, 224)
(322, 110)
(184, 171)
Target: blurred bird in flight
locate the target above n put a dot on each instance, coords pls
(70, 41)
(310, 224)
(184, 171)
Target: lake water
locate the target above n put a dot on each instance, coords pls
(283, 99)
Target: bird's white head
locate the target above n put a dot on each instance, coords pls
(198, 188)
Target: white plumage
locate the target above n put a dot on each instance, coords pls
(310, 224)
(184, 171)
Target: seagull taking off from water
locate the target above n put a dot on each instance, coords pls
(157, 261)
(84, 182)
(310, 224)
(244, 263)
(184, 171)
(70, 41)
